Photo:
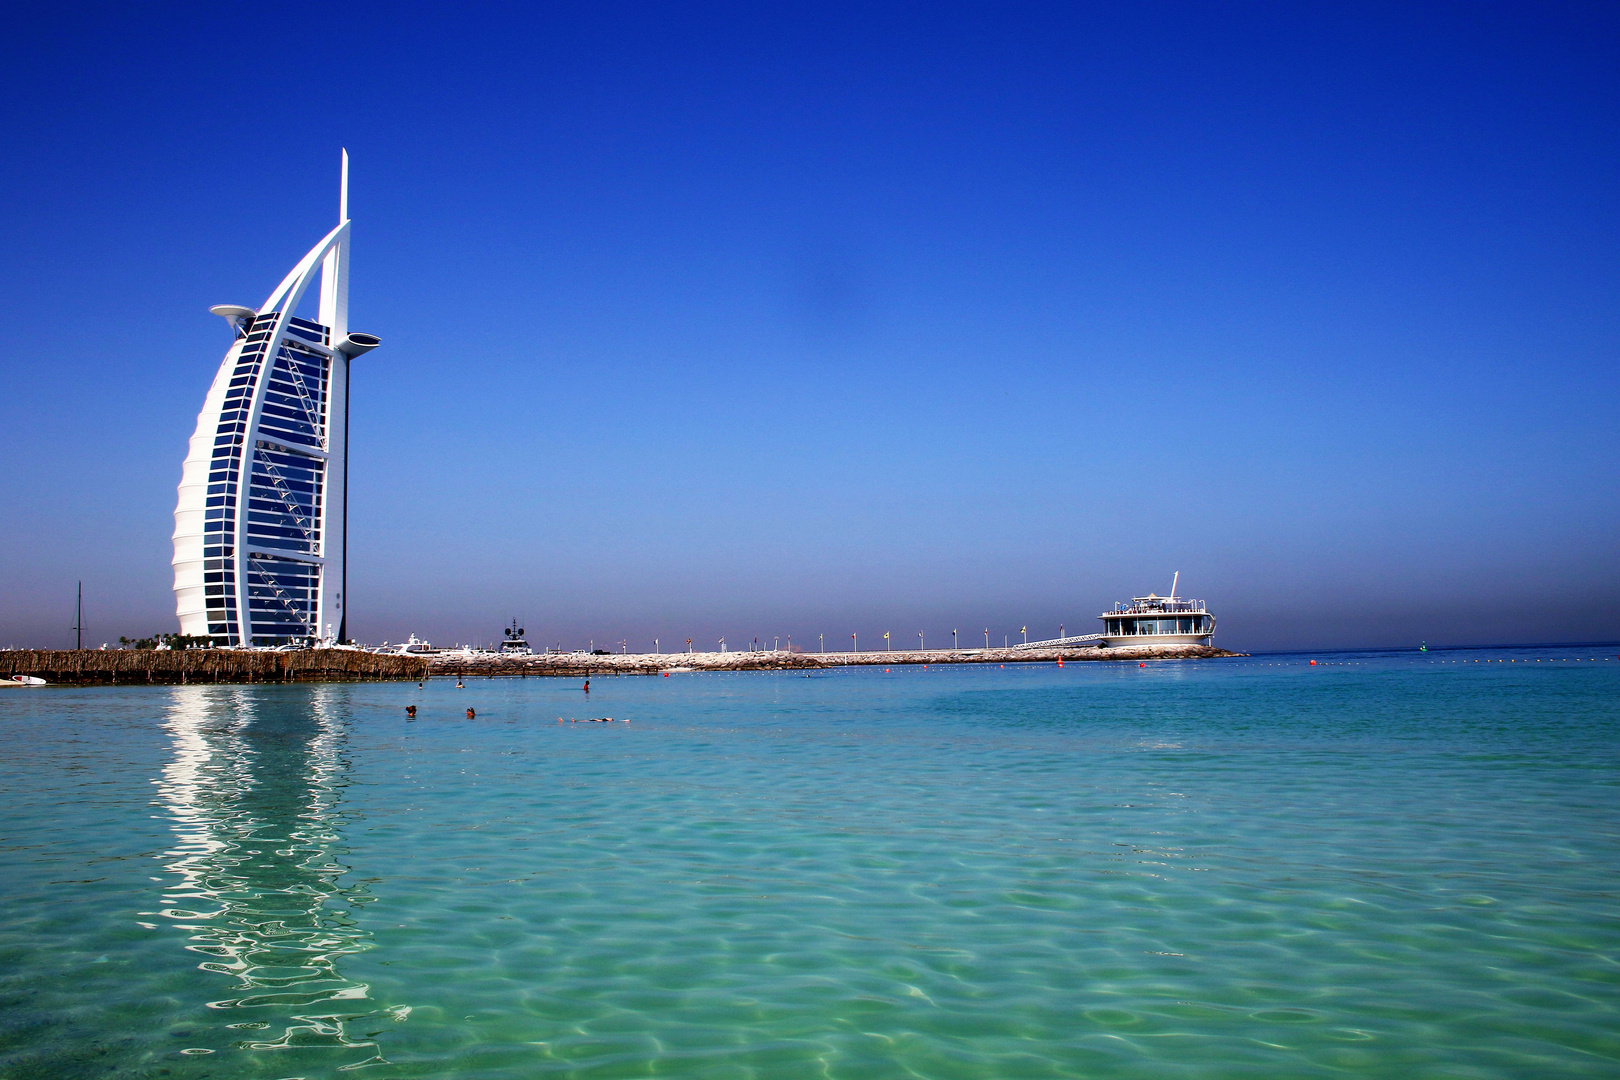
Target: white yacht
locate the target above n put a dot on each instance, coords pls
(514, 643)
(1158, 620)
(412, 646)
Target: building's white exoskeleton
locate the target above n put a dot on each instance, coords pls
(259, 552)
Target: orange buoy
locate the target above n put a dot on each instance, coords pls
(1142, 664)
(1313, 663)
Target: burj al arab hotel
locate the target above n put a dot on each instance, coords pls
(259, 552)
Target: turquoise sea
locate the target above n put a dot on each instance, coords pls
(1396, 865)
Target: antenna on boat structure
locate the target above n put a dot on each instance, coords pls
(1173, 583)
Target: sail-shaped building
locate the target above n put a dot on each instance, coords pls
(259, 528)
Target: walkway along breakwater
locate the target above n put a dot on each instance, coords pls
(122, 667)
(587, 664)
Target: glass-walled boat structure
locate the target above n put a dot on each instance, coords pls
(1158, 620)
(259, 526)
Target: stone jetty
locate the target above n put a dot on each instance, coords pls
(587, 664)
(125, 667)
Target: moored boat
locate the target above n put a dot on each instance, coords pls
(413, 646)
(515, 644)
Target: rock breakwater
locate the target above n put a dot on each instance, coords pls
(586, 664)
(122, 667)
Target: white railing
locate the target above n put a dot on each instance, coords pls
(1054, 643)
(1164, 607)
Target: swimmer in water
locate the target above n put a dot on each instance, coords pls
(587, 686)
(410, 712)
(471, 714)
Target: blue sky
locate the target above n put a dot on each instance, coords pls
(707, 321)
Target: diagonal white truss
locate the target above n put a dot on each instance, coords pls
(294, 509)
(299, 613)
(311, 413)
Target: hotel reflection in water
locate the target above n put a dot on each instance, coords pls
(257, 884)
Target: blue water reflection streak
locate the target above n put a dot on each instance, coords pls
(259, 885)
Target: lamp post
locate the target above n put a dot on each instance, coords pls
(1025, 631)
(920, 647)
(856, 646)
(987, 637)
(885, 641)
(722, 644)
(688, 644)
(823, 638)
(655, 646)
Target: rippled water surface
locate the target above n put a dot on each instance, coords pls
(1385, 865)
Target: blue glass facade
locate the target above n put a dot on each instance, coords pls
(269, 533)
(1193, 624)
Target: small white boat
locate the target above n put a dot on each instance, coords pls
(22, 680)
(413, 647)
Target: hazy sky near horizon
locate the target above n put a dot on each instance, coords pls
(708, 320)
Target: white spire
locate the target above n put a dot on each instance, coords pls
(334, 314)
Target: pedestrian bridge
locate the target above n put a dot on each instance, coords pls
(1059, 642)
